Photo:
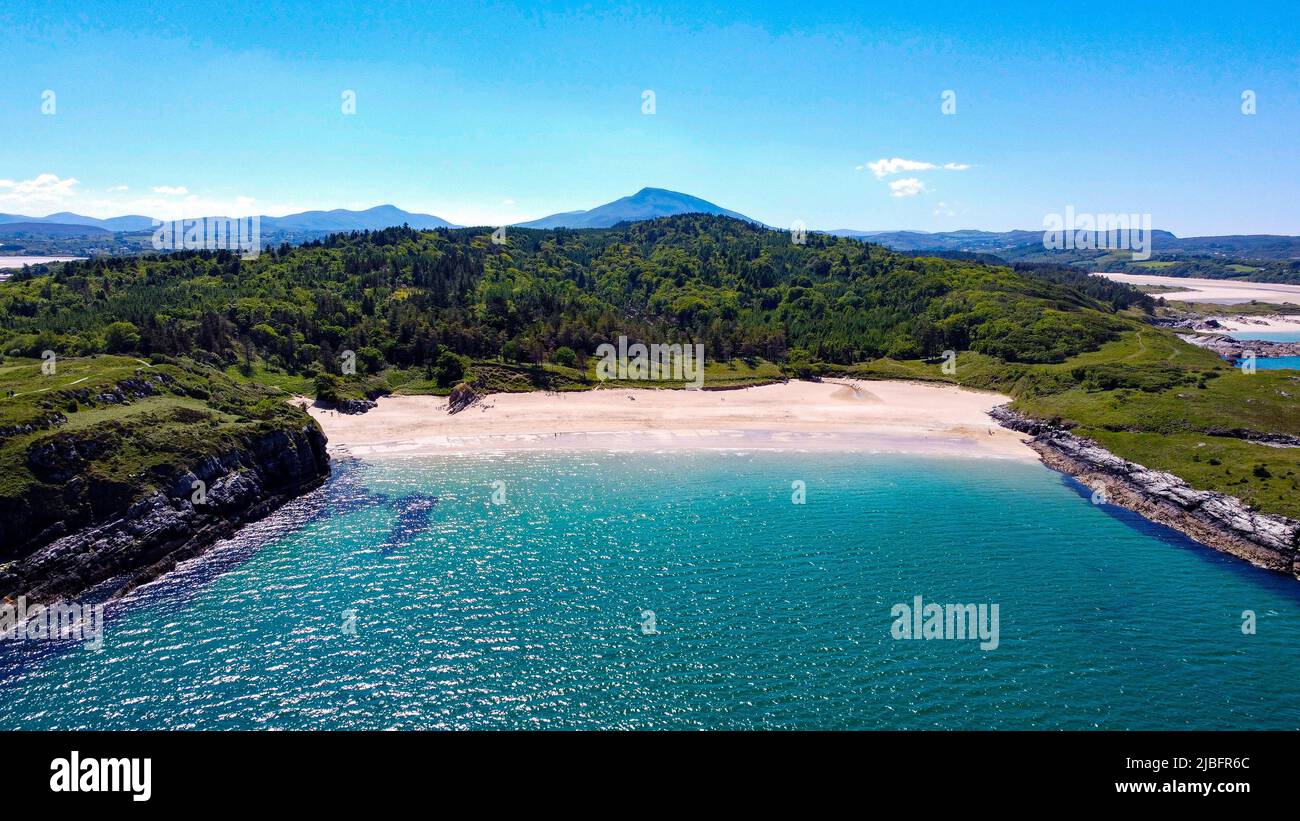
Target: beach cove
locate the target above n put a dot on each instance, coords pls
(835, 415)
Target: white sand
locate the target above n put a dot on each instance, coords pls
(18, 262)
(894, 417)
(1218, 291)
(1272, 322)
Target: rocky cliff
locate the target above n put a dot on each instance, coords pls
(139, 538)
(1215, 519)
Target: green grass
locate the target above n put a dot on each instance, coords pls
(1217, 463)
(260, 374)
(1153, 264)
(1159, 289)
(128, 446)
(1264, 401)
(1246, 308)
(1168, 429)
(36, 393)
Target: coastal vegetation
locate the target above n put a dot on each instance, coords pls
(405, 311)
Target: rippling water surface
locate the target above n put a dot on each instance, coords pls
(400, 596)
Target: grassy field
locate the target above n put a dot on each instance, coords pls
(1171, 428)
(1244, 308)
(1153, 264)
(121, 424)
(1262, 476)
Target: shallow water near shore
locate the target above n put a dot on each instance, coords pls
(402, 595)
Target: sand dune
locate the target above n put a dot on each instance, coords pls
(902, 417)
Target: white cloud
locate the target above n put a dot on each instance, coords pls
(117, 188)
(44, 191)
(906, 187)
(170, 190)
(507, 202)
(883, 168)
(909, 186)
(896, 165)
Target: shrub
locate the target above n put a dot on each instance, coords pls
(565, 356)
(327, 387)
(120, 337)
(450, 368)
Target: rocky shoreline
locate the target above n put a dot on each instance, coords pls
(176, 522)
(1235, 349)
(1214, 519)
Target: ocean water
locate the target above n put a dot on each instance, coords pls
(1269, 336)
(401, 596)
(1271, 363)
(1277, 363)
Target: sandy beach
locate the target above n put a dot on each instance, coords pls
(843, 415)
(1218, 291)
(1234, 324)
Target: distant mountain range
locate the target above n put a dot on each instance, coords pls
(340, 219)
(648, 203)
(307, 222)
(133, 222)
(52, 229)
(1016, 244)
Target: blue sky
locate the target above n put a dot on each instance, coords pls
(496, 112)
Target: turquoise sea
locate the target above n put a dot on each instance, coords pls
(1277, 363)
(1272, 363)
(401, 596)
(1269, 336)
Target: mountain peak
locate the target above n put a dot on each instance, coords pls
(648, 203)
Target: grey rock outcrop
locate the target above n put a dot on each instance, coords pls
(1214, 519)
(179, 520)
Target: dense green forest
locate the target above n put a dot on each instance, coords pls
(404, 298)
